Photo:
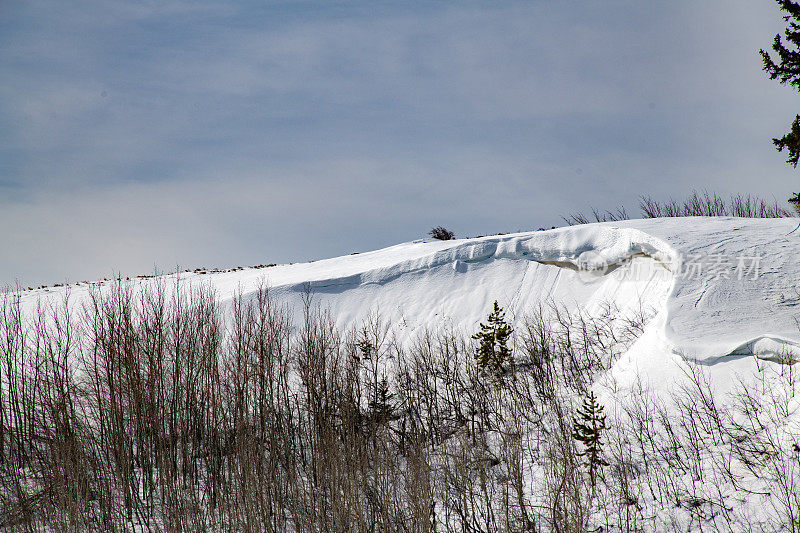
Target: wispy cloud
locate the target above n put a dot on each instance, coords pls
(213, 132)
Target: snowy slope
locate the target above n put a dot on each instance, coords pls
(715, 303)
(718, 289)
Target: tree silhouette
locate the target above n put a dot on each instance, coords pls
(380, 405)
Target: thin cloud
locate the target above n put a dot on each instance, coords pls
(213, 133)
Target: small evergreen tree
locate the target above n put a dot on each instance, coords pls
(588, 430)
(493, 351)
(380, 404)
(787, 71)
(365, 347)
(380, 407)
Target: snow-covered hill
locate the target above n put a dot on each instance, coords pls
(714, 290)
(706, 304)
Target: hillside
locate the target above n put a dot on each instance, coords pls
(713, 289)
(364, 408)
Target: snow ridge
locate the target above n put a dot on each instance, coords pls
(698, 315)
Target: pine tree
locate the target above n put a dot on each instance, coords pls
(588, 430)
(380, 408)
(380, 405)
(787, 71)
(493, 351)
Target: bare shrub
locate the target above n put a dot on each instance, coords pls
(597, 216)
(154, 406)
(442, 233)
(711, 205)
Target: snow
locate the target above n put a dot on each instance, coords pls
(718, 294)
(719, 291)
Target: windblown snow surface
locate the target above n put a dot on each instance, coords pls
(717, 293)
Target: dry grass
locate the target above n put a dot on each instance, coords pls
(704, 204)
(698, 204)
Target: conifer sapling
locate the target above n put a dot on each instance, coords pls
(588, 428)
(493, 351)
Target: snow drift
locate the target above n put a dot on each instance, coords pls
(715, 289)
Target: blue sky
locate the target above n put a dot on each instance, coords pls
(160, 133)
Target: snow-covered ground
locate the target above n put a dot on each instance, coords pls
(718, 295)
(717, 291)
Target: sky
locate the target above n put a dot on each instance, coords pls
(142, 135)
